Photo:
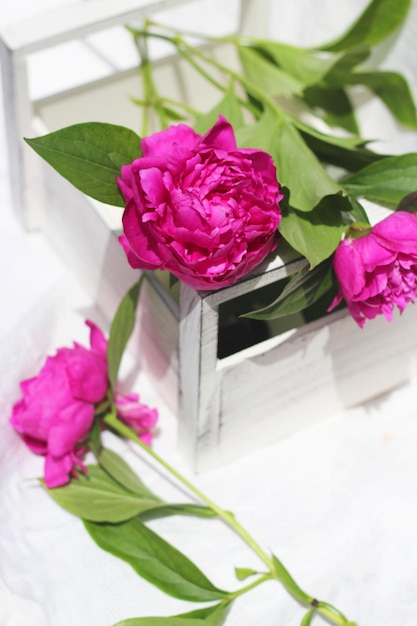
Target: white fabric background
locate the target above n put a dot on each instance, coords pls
(336, 502)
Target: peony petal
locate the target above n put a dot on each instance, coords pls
(57, 470)
(161, 143)
(98, 341)
(87, 375)
(398, 232)
(71, 428)
(221, 136)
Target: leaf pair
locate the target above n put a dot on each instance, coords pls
(111, 492)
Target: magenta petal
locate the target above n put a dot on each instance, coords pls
(139, 243)
(221, 136)
(161, 143)
(73, 426)
(399, 232)
(87, 375)
(98, 341)
(348, 266)
(57, 470)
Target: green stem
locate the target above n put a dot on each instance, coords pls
(151, 97)
(251, 585)
(246, 83)
(275, 567)
(182, 105)
(112, 421)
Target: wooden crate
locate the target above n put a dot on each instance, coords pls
(229, 406)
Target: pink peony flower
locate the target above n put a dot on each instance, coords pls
(378, 271)
(57, 410)
(199, 206)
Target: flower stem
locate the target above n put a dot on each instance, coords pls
(275, 567)
(252, 585)
(112, 421)
(151, 99)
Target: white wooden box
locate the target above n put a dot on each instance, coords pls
(229, 406)
(225, 406)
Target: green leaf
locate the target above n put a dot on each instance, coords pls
(306, 67)
(307, 619)
(288, 581)
(213, 615)
(267, 77)
(376, 23)
(346, 152)
(195, 510)
(155, 559)
(393, 90)
(228, 106)
(90, 156)
(387, 181)
(297, 167)
(304, 288)
(344, 65)
(122, 473)
(209, 616)
(113, 493)
(161, 621)
(121, 329)
(408, 203)
(316, 234)
(97, 497)
(334, 106)
(244, 572)
(358, 212)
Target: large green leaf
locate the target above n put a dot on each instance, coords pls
(97, 497)
(376, 23)
(90, 156)
(155, 559)
(297, 167)
(267, 77)
(121, 329)
(228, 106)
(304, 288)
(317, 234)
(387, 181)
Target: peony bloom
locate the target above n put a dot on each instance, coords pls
(199, 206)
(57, 410)
(378, 271)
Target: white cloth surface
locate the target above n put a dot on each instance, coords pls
(336, 502)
